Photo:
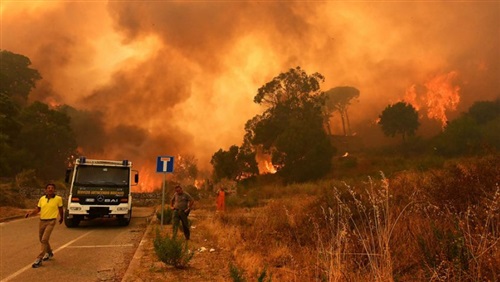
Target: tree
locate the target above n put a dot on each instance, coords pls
(461, 136)
(9, 118)
(17, 78)
(186, 170)
(484, 111)
(46, 140)
(16, 82)
(400, 118)
(474, 132)
(291, 129)
(338, 99)
(235, 164)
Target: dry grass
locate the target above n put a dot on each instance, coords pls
(422, 226)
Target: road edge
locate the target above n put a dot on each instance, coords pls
(135, 263)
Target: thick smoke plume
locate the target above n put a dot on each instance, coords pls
(169, 78)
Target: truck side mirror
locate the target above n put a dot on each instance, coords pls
(136, 177)
(68, 173)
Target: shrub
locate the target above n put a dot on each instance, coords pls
(172, 251)
(237, 275)
(465, 183)
(167, 215)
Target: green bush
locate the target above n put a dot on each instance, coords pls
(237, 275)
(167, 215)
(172, 251)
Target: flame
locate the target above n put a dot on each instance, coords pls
(149, 180)
(199, 183)
(269, 167)
(345, 155)
(440, 95)
(264, 162)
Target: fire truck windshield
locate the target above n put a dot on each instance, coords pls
(102, 176)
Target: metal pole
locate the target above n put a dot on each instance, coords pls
(163, 198)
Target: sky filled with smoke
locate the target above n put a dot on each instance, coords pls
(179, 77)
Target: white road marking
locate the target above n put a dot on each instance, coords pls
(13, 275)
(100, 246)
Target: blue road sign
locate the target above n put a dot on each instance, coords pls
(165, 164)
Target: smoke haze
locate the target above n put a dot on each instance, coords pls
(173, 77)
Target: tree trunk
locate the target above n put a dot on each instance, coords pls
(343, 122)
(327, 124)
(348, 123)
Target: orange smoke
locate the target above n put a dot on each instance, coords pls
(179, 77)
(441, 94)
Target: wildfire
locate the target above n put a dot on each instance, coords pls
(264, 162)
(440, 94)
(149, 180)
(269, 168)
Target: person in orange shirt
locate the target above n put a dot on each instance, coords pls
(49, 206)
(221, 200)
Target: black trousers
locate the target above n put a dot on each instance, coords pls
(180, 216)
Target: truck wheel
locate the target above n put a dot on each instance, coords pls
(68, 222)
(71, 222)
(76, 221)
(122, 221)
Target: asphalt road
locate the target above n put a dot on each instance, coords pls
(97, 250)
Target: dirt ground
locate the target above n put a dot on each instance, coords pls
(7, 213)
(209, 263)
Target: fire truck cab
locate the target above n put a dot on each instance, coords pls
(100, 189)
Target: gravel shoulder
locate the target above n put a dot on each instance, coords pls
(209, 263)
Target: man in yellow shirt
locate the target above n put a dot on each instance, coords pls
(49, 206)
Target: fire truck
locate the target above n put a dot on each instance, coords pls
(100, 189)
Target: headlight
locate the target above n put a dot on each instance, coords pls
(75, 208)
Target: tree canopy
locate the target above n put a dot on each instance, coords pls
(485, 111)
(33, 136)
(400, 118)
(476, 131)
(291, 128)
(46, 138)
(338, 100)
(17, 78)
(234, 164)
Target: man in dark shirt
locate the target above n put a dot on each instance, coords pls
(181, 203)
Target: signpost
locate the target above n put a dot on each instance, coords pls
(164, 164)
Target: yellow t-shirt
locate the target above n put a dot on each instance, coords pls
(49, 207)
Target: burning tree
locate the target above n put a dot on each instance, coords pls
(235, 164)
(291, 129)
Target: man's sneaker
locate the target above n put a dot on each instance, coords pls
(47, 256)
(37, 263)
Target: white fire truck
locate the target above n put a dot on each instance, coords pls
(100, 189)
